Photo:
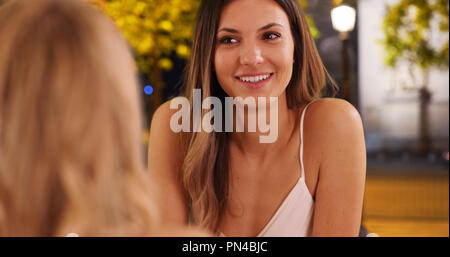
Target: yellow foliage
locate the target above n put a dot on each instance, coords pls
(165, 64)
(154, 28)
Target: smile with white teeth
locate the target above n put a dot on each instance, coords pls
(254, 79)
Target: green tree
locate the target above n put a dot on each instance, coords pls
(407, 29)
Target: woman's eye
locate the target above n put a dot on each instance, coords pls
(228, 40)
(271, 36)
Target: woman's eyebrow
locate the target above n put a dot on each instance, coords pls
(229, 30)
(235, 31)
(268, 26)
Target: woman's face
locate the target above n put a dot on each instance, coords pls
(255, 49)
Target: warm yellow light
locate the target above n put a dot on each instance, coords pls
(343, 18)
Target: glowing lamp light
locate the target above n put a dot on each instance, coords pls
(148, 90)
(343, 18)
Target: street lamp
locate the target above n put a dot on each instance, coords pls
(343, 18)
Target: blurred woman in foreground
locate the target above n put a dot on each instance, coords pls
(70, 152)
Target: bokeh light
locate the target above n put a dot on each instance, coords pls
(148, 90)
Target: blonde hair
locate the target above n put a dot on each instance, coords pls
(71, 158)
(206, 167)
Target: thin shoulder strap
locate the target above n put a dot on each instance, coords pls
(301, 139)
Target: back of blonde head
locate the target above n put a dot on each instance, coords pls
(70, 152)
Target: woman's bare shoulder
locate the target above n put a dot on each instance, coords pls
(162, 115)
(166, 147)
(333, 114)
(160, 129)
(330, 122)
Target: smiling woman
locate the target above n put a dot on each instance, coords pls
(308, 182)
(249, 57)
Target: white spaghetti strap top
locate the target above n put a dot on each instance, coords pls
(294, 216)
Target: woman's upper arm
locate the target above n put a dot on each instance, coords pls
(165, 158)
(342, 172)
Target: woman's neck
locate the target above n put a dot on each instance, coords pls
(282, 119)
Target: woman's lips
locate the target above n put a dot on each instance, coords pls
(254, 81)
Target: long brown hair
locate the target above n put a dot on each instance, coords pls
(71, 158)
(206, 164)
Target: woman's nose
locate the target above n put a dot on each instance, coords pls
(251, 55)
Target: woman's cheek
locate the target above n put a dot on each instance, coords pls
(287, 63)
(223, 70)
(219, 64)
